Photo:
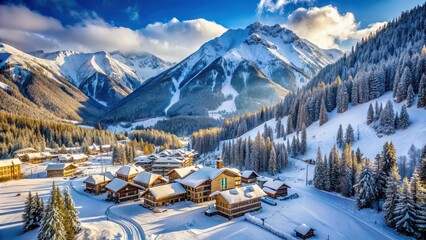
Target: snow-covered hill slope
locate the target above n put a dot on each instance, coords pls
(239, 71)
(369, 143)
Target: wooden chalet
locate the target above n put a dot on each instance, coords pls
(127, 173)
(164, 195)
(34, 158)
(10, 169)
(61, 170)
(96, 183)
(147, 180)
(180, 173)
(146, 161)
(23, 151)
(200, 184)
(120, 190)
(73, 158)
(249, 176)
(238, 201)
(275, 188)
(304, 231)
(163, 165)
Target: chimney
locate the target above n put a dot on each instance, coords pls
(219, 163)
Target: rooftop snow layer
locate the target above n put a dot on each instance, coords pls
(117, 184)
(129, 170)
(148, 178)
(166, 191)
(10, 162)
(241, 194)
(275, 184)
(204, 174)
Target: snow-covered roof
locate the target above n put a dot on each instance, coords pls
(24, 150)
(93, 147)
(176, 165)
(247, 173)
(38, 155)
(109, 175)
(97, 179)
(202, 175)
(241, 194)
(167, 190)
(168, 160)
(183, 172)
(264, 179)
(58, 166)
(302, 229)
(78, 156)
(117, 184)
(143, 159)
(10, 162)
(268, 190)
(148, 178)
(275, 184)
(129, 170)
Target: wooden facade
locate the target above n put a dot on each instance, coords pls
(10, 169)
(303, 231)
(164, 195)
(96, 184)
(275, 188)
(181, 173)
(249, 176)
(148, 180)
(35, 158)
(119, 190)
(237, 202)
(67, 170)
(128, 173)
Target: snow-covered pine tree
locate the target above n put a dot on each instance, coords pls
(345, 172)
(421, 102)
(73, 223)
(319, 174)
(342, 99)
(422, 167)
(28, 216)
(339, 138)
(391, 191)
(303, 142)
(404, 213)
(387, 119)
(323, 118)
(349, 136)
(410, 96)
(396, 124)
(373, 82)
(354, 94)
(52, 227)
(272, 164)
(404, 82)
(294, 146)
(278, 128)
(38, 209)
(366, 187)
(327, 174)
(335, 171)
(377, 111)
(404, 118)
(419, 198)
(370, 114)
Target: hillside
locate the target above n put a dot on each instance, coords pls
(237, 72)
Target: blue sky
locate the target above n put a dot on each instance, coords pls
(159, 26)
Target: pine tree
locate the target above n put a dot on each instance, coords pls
(404, 119)
(422, 168)
(421, 102)
(419, 198)
(404, 82)
(272, 164)
(319, 173)
(349, 136)
(323, 118)
(366, 188)
(38, 209)
(405, 210)
(342, 99)
(410, 96)
(392, 189)
(73, 223)
(28, 215)
(345, 172)
(387, 119)
(370, 114)
(52, 227)
(335, 169)
(303, 143)
(339, 139)
(373, 81)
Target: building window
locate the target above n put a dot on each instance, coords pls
(224, 183)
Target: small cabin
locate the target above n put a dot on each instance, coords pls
(61, 170)
(239, 201)
(249, 176)
(34, 158)
(127, 173)
(23, 151)
(164, 195)
(96, 183)
(147, 180)
(275, 188)
(120, 190)
(304, 231)
(73, 158)
(180, 173)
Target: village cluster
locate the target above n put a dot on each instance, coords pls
(162, 179)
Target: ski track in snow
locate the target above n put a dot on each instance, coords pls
(175, 97)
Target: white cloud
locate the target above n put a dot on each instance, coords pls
(172, 40)
(326, 27)
(274, 6)
(133, 13)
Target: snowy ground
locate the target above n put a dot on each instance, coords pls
(149, 122)
(92, 210)
(369, 143)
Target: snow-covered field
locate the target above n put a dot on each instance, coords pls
(149, 122)
(369, 143)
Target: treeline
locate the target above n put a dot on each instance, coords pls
(18, 132)
(404, 202)
(186, 125)
(385, 120)
(207, 140)
(123, 154)
(156, 137)
(260, 154)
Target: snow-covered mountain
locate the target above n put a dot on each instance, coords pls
(105, 77)
(239, 71)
